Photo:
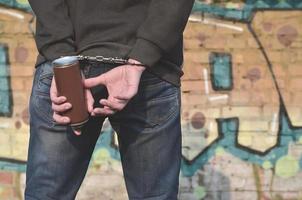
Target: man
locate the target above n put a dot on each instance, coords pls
(141, 102)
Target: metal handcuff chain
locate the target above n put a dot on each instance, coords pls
(108, 60)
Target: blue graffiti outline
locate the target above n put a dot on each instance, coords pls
(228, 136)
(286, 134)
(246, 13)
(16, 5)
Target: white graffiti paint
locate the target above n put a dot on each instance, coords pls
(218, 97)
(200, 19)
(206, 81)
(274, 125)
(11, 13)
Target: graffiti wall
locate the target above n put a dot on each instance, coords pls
(242, 101)
(241, 104)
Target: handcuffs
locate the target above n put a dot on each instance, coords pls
(108, 60)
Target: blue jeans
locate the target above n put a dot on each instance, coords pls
(149, 136)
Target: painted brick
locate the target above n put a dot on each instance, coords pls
(217, 43)
(17, 84)
(264, 83)
(5, 145)
(289, 57)
(237, 58)
(197, 56)
(237, 43)
(213, 112)
(280, 71)
(28, 82)
(191, 44)
(295, 69)
(20, 142)
(275, 56)
(243, 111)
(240, 98)
(263, 97)
(254, 125)
(296, 99)
(192, 71)
(193, 99)
(254, 57)
(6, 178)
(295, 83)
(251, 42)
(20, 98)
(196, 86)
(6, 193)
(245, 139)
(26, 71)
(263, 141)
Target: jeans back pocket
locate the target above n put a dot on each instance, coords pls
(44, 76)
(155, 103)
(40, 103)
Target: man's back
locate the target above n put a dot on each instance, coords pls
(148, 31)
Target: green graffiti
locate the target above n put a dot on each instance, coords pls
(219, 151)
(267, 165)
(101, 156)
(257, 181)
(200, 192)
(19, 4)
(287, 166)
(22, 2)
(300, 140)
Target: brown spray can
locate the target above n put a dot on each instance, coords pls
(69, 81)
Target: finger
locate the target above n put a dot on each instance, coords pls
(61, 108)
(128, 96)
(102, 112)
(91, 82)
(77, 131)
(58, 100)
(113, 104)
(89, 100)
(54, 94)
(106, 107)
(60, 119)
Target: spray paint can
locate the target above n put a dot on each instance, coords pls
(69, 81)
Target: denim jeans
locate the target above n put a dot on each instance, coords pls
(149, 136)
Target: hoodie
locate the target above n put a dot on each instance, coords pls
(150, 31)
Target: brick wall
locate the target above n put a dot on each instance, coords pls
(241, 107)
(241, 135)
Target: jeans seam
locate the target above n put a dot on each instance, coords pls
(50, 121)
(154, 196)
(158, 126)
(31, 196)
(149, 86)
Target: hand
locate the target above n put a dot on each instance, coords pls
(60, 104)
(122, 84)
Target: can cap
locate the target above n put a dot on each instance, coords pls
(65, 60)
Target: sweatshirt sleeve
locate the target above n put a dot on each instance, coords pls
(54, 30)
(162, 28)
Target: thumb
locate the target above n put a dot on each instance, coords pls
(91, 82)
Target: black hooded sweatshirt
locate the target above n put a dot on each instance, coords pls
(150, 31)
